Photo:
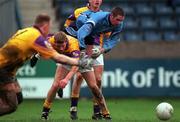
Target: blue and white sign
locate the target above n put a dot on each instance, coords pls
(142, 77)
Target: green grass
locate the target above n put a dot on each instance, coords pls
(122, 110)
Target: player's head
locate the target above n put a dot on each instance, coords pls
(95, 3)
(60, 41)
(117, 16)
(42, 21)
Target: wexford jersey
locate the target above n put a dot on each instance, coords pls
(72, 46)
(70, 24)
(20, 48)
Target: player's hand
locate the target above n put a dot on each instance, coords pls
(62, 83)
(34, 59)
(96, 52)
(85, 62)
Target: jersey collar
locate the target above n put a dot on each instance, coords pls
(38, 29)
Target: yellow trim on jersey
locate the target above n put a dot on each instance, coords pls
(101, 39)
(68, 22)
(78, 11)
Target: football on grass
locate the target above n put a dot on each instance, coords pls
(164, 111)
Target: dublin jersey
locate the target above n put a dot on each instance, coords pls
(96, 24)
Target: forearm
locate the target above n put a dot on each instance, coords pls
(73, 70)
(111, 42)
(83, 32)
(59, 58)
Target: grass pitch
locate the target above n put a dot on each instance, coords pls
(122, 110)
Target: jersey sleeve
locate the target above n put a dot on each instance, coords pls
(97, 17)
(69, 20)
(83, 32)
(43, 46)
(113, 39)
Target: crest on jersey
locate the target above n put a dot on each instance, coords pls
(48, 45)
(76, 53)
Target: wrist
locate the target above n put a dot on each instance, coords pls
(102, 50)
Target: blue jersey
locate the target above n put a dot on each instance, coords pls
(96, 24)
(70, 23)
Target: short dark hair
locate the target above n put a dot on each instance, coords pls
(117, 11)
(41, 19)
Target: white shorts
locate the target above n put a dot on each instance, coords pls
(99, 60)
(68, 67)
(81, 70)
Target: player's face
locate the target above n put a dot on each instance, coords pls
(60, 47)
(115, 20)
(95, 3)
(46, 28)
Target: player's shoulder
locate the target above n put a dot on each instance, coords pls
(99, 16)
(80, 10)
(28, 33)
(102, 13)
(73, 43)
(72, 39)
(51, 39)
(32, 29)
(27, 30)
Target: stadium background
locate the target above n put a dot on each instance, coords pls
(145, 65)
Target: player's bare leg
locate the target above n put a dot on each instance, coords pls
(91, 81)
(8, 97)
(98, 71)
(61, 72)
(75, 95)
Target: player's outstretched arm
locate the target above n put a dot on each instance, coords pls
(59, 58)
(84, 61)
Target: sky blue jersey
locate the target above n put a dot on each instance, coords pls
(96, 24)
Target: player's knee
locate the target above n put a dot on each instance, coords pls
(93, 87)
(19, 97)
(55, 86)
(9, 103)
(12, 101)
(79, 76)
(13, 108)
(98, 82)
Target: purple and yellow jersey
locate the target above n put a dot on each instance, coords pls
(72, 46)
(21, 46)
(72, 18)
(70, 23)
